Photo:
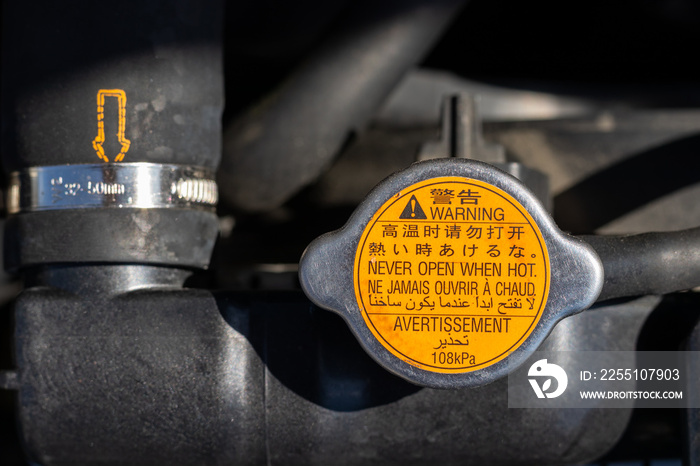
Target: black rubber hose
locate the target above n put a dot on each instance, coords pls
(284, 142)
(165, 56)
(649, 263)
(160, 66)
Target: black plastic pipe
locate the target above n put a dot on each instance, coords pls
(649, 263)
(186, 377)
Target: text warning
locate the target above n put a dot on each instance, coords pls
(451, 275)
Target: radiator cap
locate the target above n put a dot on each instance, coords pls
(451, 273)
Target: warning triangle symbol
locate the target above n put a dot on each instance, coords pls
(413, 210)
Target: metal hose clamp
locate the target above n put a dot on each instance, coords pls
(112, 185)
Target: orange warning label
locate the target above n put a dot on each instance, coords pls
(451, 274)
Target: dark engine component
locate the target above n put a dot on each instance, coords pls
(251, 378)
(138, 337)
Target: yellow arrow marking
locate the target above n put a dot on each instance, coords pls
(100, 139)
